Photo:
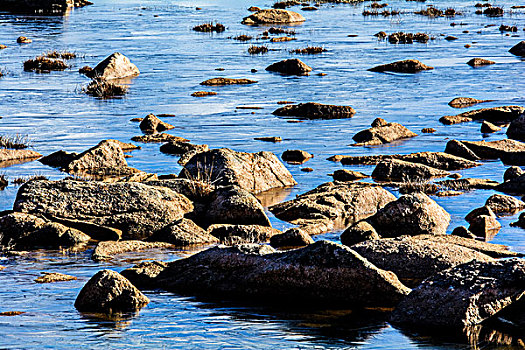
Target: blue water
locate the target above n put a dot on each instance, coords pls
(156, 35)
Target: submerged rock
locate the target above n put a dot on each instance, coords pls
(516, 129)
(273, 16)
(115, 66)
(296, 156)
(109, 292)
(292, 66)
(160, 137)
(151, 124)
(312, 110)
(399, 170)
(406, 66)
(381, 134)
(478, 62)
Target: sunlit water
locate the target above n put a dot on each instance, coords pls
(173, 60)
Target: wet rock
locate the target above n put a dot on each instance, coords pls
(151, 124)
(156, 138)
(501, 204)
(516, 129)
(348, 175)
(227, 81)
(339, 202)
(509, 151)
(406, 66)
(292, 66)
(296, 156)
(136, 209)
(96, 232)
(17, 155)
(255, 172)
(106, 250)
(462, 231)
(463, 102)
(413, 261)
(518, 49)
(269, 139)
(488, 127)
(291, 238)
(143, 274)
(244, 233)
(484, 226)
(464, 295)
(273, 16)
(520, 222)
(467, 184)
(183, 232)
(497, 115)
(50, 277)
(109, 292)
(312, 110)
(478, 62)
(399, 170)
(485, 210)
(357, 233)
(324, 273)
(512, 173)
(203, 93)
(115, 66)
(254, 9)
(382, 134)
(179, 148)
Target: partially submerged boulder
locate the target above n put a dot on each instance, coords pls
(501, 204)
(151, 124)
(312, 110)
(269, 16)
(106, 250)
(227, 81)
(348, 175)
(324, 273)
(160, 137)
(512, 172)
(292, 238)
(385, 133)
(180, 148)
(115, 66)
(291, 66)
(399, 170)
(488, 127)
(228, 234)
(14, 155)
(406, 66)
(463, 102)
(109, 292)
(516, 129)
(518, 49)
(496, 115)
(479, 62)
(459, 149)
(183, 232)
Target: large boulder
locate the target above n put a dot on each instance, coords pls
(496, 115)
(464, 295)
(399, 170)
(510, 152)
(183, 232)
(463, 102)
(254, 172)
(518, 49)
(458, 148)
(291, 66)
(324, 273)
(269, 16)
(513, 186)
(109, 292)
(136, 209)
(406, 66)
(413, 261)
(313, 110)
(115, 66)
(228, 234)
(378, 135)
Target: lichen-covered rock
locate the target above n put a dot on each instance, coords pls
(406, 66)
(245, 233)
(106, 250)
(291, 238)
(151, 124)
(115, 66)
(382, 134)
(269, 16)
(109, 292)
(464, 295)
(399, 170)
(497, 115)
(291, 66)
(183, 232)
(313, 110)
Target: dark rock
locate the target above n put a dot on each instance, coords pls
(518, 49)
(379, 122)
(497, 115)
(109, 292)
(296, 156)
(179, 148)
(115, 66)
(291, 66)
(347, 175)
(516, 129)
(273, 16)
(106, 250)
(311, 110)
(459, 149)
(485, 210)
(359, 232)
(291, 238)
(467, 184)
(512, 173)
(183, 232)
(406, 66)
(58, 159)
(382, 134)
(399, 170)
(151, 124)
(245, 233)
(462, 231)
(488, 127)
(478, 62)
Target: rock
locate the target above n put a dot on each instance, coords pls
(312, 110)
(399, 170)
(109, 292)
(463, 102)
(292, 66)
(203, 93)
(160, 137)
(183, 232)
(24, 40)
(509, 151)
(58, 159)
(497, 115)
(459, 149)
(382, 134)
(106, 250)
(428, 130)
(143, 274)
(485, 210)
(462, 231)
(282, 39)
(467, 184)
(244, 233)
(501, 204)
(484, 226)
(464, 295)
(488, 127)
(518, 49)
(379, 122)
(348, 175)
(323, 273)
(406, 66)
(179, 148)
(273, 16)
(269, 139)
(512, 173)
(17, 155)
(478, 62)
(516, 129)
(50, 277)
(291, 238)
(96, 232)
(151, 124)
(338, 202)
(227, 81)
(255, 172)
(413, 261)
(115, 66)
(520, 222)
(136, 209)
(359, 232)
(296, 156)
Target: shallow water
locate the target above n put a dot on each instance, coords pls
(173, 60)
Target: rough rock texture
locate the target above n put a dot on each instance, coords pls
(501, 204)
(292, 66)
(323, 273)
(496, 115)
(348, 175)
(17, 154)
(512, 172)
(242, 233)
(273, 16)
(313, 110)
(160, 137)
(106, 250)
(484, 226)
(382, 134)
(109, 292)
(105, 158)
(459, 149)
(183, 232)
(50, 277)
(136, 209)
(464, 295)
(462, 231)
(115, 66)
(513, 186)
(478, 62)
(467, 184)
(255, 172)
(485, 210)
(339, 202)
(439, 160)
(360, 232)
(294, 237)
(413, 261)
(296, 156)
(399, 170)
(509, 151)
(462, 102)
(179, 148)
(518, 49)
(227, 81)
(516, 129)
(406, 66)
(488, 127)
(151, 124)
